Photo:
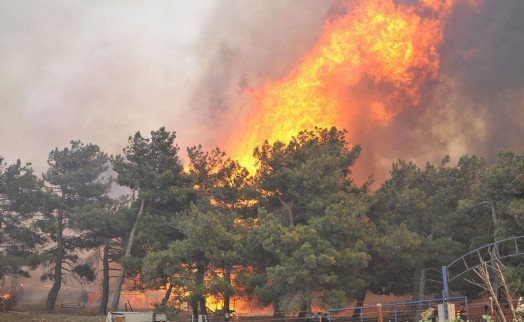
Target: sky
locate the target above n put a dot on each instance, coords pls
(99, 71)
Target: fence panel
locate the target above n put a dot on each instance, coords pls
(399, 312)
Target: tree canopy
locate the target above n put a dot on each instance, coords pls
(296, 235)
(21, 198)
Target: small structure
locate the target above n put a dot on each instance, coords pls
(135, 317)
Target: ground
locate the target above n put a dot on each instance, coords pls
(40, 317)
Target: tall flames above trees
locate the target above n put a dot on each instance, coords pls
(392, 46)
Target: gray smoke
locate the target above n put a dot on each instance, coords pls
(477, 103)
(475, 106)
(244, 45)
(97, 71)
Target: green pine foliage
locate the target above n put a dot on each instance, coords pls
(297, 234)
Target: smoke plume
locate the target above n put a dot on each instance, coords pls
(473, 105)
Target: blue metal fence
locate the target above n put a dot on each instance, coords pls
(396, 312)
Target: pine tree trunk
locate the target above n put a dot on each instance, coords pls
(105, 281)
(120, 280)
(59, 257)
(422, 282)
(360, 297)
(303, 310)
(307, 300)
(194, 308)
(202, 305)
(289, 206)
(494, 214)
(277, 314)
(200, 284)
(227, 297)
(419, 282)
(167, 294)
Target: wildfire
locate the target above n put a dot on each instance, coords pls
(367, 66)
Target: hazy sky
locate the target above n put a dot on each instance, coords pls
(97, 71)
(101, 70)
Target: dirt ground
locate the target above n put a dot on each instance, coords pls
(41, 317)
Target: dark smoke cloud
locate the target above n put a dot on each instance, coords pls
(475, 106)
(493, 76)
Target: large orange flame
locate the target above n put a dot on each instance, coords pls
(391, 47)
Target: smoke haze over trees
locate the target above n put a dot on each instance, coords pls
(298, 234)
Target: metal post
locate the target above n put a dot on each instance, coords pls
(380, 318)
(445, 292)
(467, 309)
(395, 311)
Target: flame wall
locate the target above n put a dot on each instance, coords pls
(407, 79)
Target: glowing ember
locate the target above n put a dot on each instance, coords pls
(388, 47)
